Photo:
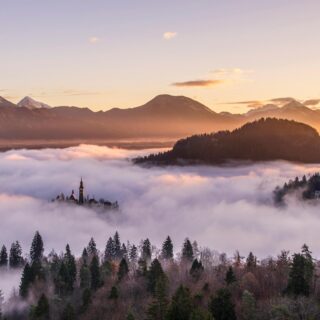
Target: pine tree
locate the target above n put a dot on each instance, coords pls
(167, 249)
(85, 256)
(109, 252)
(84, 276)
(298, 283)
(181, 305)
(71, 269)
(251, 261)
(196, 269)
(157, 310)
(230, 276)
(123, 269)
(114, 295)
(187, 251)
(146, 250)
(15, 257)
(154, 274)
(95, 273)
(41, 311)
(3, 257)
(68, 313)
(309, 266)
(92, 248)
(117, 246)
(133, 255)
(36, 250)
(221, 306)
(26, 279)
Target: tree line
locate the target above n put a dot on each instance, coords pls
(128, 281)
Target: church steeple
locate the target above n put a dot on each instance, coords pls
(81, 197)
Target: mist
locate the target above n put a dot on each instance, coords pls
(225, 208)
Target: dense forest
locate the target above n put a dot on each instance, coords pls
(304, 189)
(129, 282)
(262, 140)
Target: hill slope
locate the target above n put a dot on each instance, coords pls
(262, 140)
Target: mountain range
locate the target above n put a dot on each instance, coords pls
(163, 117)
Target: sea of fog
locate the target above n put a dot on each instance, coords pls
(224, 208)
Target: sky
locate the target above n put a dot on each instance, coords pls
(103, 53)
(222, 208)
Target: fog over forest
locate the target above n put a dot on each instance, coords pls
(223, 208)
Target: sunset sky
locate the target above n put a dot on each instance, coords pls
(103, 53)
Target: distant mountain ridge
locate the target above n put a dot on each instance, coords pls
(164, 116)
(261, 140)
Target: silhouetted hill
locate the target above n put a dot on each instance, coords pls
(262, 140)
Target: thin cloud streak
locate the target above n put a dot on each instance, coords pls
(198, 83)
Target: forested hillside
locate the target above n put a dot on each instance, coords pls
(129, 281)
(262, 140)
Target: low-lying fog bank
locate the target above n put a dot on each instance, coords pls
(224, 208)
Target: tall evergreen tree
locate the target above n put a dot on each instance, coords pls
(71, 269)
(109, 252)
(3, 257)
(86, 300)
(15, 257)
(187, 251)
(298, 283)
(133, 255)
(92, 248)
(146, 250)
(95, 273)
(157, 310)
(167, 249)
(251, 261)
(123, 269)
(181, 305)
(222, 307)
(117, 246)
(36, 250)
(84, 276)
(155, 274)
(230, 276)
(41, 311)
(196, 269)
(26, 279)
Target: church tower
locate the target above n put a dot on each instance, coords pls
(81, 197)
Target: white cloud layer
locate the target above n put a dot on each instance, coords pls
(224, 208)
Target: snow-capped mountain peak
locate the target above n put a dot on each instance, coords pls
(30, 103)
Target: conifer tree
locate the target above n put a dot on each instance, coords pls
(84, 276)
(114, 295)
(92, 248)
(251, 261)
(222, 307)
(109, 253)
(85, 256)
(95, 273)
(157, 310)
(187, 251)
(146, 250)
(181, 305)
(123, 269)
(26, 280)
(230, 276)
(15, 257)
(167, 249)
(154, 274)
(41, 311)
(196, 269)
(133, 255)
(3, 257)
(117, 246)
(36, 250)
(298, 283)
(71, 269)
